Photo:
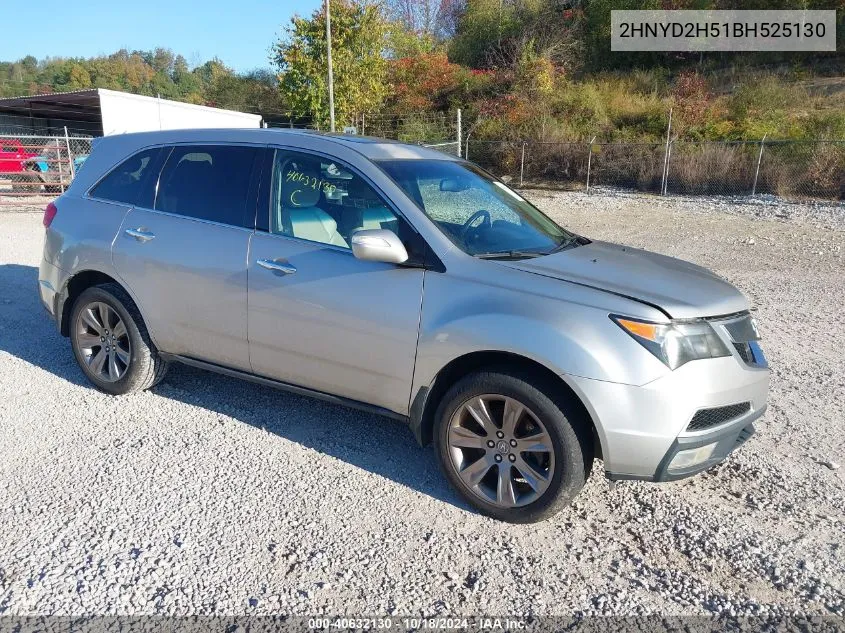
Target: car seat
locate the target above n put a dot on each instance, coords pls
(301, 218)
(373, 214)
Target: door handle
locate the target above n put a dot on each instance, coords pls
(277, 267)
(138, 234)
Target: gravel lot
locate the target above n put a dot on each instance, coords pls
(212, 496)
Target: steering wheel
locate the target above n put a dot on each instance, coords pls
(468, 225)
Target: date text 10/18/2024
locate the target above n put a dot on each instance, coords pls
(420, 623)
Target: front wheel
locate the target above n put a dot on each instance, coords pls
(511, 446)
(111, 343)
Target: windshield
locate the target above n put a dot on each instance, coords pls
(479, 214)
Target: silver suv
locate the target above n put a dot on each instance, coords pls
(405, 282)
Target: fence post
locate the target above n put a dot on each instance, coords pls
(666, 176)
(759, 160)
(459, 132)
(70, 157)
(58, 166)
(589, 161)
(522, 164)
(666, 155)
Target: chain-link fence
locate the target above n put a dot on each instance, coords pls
(39, 166)
(789, 169)
(421, 127)
(43, 166)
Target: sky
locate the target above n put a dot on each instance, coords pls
(238, 32)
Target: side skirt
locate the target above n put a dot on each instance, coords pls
(269, 382)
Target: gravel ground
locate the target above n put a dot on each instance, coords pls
(212, 496)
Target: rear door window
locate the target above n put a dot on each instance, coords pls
(133, 181)
(208, 182)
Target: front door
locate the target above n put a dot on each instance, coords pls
(319, 317)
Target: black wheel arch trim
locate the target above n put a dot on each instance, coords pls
(425, 401)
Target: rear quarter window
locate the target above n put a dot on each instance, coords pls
(132, 181)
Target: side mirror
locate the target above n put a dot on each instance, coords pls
(378, 245)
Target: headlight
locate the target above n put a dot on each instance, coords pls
(675, 343)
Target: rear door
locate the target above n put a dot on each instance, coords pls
(184, 256)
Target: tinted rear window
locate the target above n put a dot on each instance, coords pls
(133, 181)
(208, 182)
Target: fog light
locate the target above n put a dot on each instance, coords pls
(692, 457)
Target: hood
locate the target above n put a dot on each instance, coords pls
(681, 289)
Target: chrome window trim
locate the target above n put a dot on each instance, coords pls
(302, 240)
(193, 219)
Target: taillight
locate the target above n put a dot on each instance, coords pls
(49, 213)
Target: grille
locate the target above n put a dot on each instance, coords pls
(744, 351)
(705, 418)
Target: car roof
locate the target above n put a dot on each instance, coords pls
(369, 146)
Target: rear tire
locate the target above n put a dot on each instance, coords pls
(111, 342)
(530, 462)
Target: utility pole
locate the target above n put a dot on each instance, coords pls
(329, 58)
(459, 131)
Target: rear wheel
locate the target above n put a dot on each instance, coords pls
(510, 447)
(111, 343)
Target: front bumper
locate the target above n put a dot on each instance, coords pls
(722, 441)
(643, 428)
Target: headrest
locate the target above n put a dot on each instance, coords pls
(300, 188)
(193, 169)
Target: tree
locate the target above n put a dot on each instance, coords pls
(78, 77)
(433, 19)
(499, 33)
(423, 83)
(154, 72)
(403, 42)
(359, 39)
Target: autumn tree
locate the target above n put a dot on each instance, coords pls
(423, 83)
(428, 19)
(359, 39)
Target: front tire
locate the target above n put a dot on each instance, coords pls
(512, 446)
(111, 342)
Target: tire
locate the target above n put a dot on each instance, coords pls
(565, 459)
(137, 364)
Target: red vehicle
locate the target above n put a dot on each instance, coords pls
(12, 156)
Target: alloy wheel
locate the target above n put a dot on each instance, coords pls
(500, 450)
(103, 341)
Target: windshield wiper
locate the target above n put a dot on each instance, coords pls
(574, 241)
(509, 255)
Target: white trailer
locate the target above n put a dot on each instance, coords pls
(123, 112)
(97, 111)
